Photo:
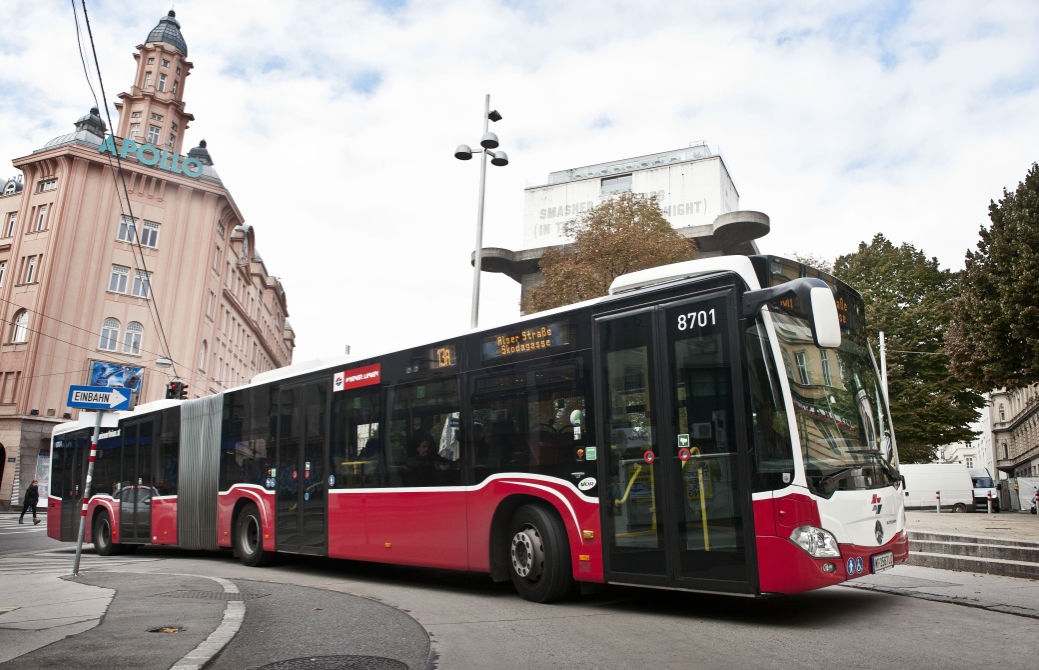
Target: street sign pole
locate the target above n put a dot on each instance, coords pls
(86, 493)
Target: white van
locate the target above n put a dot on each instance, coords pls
(952, 480)
(983, 486)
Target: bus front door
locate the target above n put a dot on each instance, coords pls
(69, 470)
(301, 501)
(673, 509)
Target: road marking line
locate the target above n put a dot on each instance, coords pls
(234, 615)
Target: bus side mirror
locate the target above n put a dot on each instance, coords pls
(815, 295)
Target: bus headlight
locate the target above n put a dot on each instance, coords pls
(816, 542)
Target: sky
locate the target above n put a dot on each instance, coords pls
(333, 125)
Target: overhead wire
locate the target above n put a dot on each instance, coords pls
(118, 168)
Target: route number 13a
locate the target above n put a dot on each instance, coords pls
(695, 319)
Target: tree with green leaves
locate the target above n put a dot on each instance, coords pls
(912, 300)
(622, 234)
(994, 337)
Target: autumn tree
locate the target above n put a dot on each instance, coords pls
(994, 336)
(622, 234)
(912, 300)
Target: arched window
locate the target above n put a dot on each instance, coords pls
(109, 335)
(202, 357)
(132, 339)
(20, 326)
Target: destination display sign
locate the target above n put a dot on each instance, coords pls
(542, 339)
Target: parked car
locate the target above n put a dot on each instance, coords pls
(951, 481)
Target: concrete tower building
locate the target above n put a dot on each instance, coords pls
(101, 271)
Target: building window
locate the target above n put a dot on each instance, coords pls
(148, 79)
(175, 82)
(616, 184)
(209, 305)
(171, 140)
(135, 130)
(135, 115)
(150, 234)
(165, 63)
(216, 258)
(801, 358)
(11, 187)
(970, 461)
(132, 340)
(178, 70)
(1006, 452)
(3, 272)
(120, 276)
(220, 229)
(824, 360)
(162, 83)
(47, 185)
(109, 335)
(1002, 410)
(9, 228)
(156, 117)
(173, 126)
(202, 357)
(30, 270)
(142, 284)
(20, 326)
(151, 61)
(153, 134)
(41, 219)
(127, 229)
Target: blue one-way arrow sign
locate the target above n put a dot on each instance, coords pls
(98, 397)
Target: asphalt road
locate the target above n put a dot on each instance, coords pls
(16, 538)
(473, 623)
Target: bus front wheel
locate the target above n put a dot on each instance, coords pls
(539, 555)
(101, 534)
(248, 538)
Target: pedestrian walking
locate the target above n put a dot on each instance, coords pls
(32, 498)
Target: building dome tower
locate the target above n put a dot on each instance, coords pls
(152, 112)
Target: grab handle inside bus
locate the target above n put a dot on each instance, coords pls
(817, 298)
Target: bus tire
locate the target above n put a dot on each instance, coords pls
(539, 555)
(959, 508)
(101, 534)
(248, 538)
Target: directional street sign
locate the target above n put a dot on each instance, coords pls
(98, 397)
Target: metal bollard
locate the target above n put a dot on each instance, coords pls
(938, 497)
(990, 502)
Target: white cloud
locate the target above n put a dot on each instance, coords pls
(333, 125)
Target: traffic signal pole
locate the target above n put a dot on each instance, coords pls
(86, 493)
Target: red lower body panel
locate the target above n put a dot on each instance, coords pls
(54, 518)
(240, 494)
(784, 567)
(164, 520)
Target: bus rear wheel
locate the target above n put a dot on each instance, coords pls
(248, 538)
(539, 555)
(101, 534)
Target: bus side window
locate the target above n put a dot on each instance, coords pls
(424, 436)
(532, 420)
(356, 445)
(246, 447)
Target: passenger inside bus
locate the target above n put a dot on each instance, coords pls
(424, 466)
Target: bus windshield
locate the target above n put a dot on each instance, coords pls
(841, 414)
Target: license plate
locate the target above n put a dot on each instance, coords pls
(884, 561)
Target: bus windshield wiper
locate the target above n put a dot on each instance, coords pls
(835, 475)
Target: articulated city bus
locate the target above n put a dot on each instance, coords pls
(715, 425)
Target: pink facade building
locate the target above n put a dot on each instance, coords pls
(103, 272)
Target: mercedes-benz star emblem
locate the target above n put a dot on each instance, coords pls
(878, 530)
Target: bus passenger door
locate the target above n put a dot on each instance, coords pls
(675, 492)
(300, 503)
(73, 472)
(709, 487)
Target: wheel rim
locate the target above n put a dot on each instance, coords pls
(250, 535)
(528, 554)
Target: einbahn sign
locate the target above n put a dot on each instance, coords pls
(99, 398)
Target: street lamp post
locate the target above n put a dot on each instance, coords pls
(488, 142)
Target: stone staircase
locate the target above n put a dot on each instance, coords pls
(993, 556)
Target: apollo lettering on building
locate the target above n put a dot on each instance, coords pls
(149, 155)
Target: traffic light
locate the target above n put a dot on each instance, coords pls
(176, 391)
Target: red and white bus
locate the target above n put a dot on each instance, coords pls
(715, 425)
